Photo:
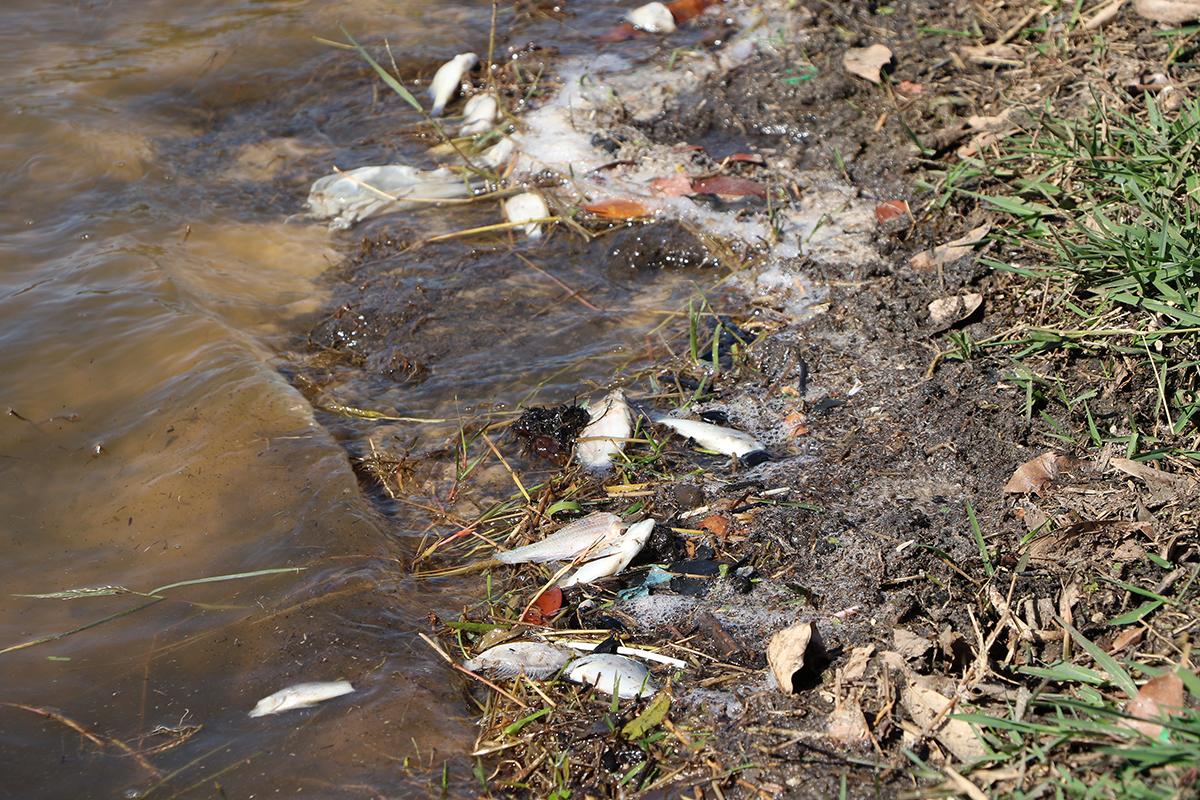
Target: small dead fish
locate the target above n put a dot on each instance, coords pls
(302, 695)
(347, 197)
(524, 207)
(615, 557)
(584, 536)
(535, 659)
(448, 79)
(604, 437)
(479, 114)
(726, 441)
(652, 18)
(613, 674)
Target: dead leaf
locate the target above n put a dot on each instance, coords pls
(1034, 475)
(909, 644)
(946, 311)
(673, 186)
(847, 724)
(748, 158)
(617, 209)
(926, 705)
(867, 62)
(908, 87)
(890, 209)
(1146, 473)
(729, 186)
(790, 651)
(1127, 637)
(795, 424)
(624, 31)
(683, 10)
(950, 251)
(715, 524)
(995, 54)
(545, 606)
(1158, 698)
(1170, 11)
(856, 665)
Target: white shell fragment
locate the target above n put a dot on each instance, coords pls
(725, 441)
(347, 197)
(652, 18)
(479, 114)
(524, 207)
(613, 674)
(448, 79)
(583, 537)
(615, 557)
(604, 437)
(535, 659)
(301, 695)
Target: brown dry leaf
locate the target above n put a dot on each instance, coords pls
(1147, 474)
(729, 186)
(908, 87)
(946, 311)
(796, 424)
(856, 665)
(1173, 12)
(890, 209)
(790, 650)
(672, 186)
(715, 524)
(925, 705)
(1126, 638)
(1034, 475)
(1159, 697)
(624, 31)
(950, 251)
(746, 158)
(909, 644)
(683, 10)
(997, 54)
(867, 62)
(617, 209)
(847, 724)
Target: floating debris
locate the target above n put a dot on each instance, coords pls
(525, 207)
(479, 114)
(615, 557)
(583, 537)
(534, 659)
(448, 80)
(549, 432)
(604, 437)
(348, 197)
(498, 155)
(613, 674)
(301, 695)
(726, 441)
(652, 18)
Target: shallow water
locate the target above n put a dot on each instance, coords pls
(155, 292)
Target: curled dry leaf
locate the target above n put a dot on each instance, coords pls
(946, 311)
(729, 186)
(1158, 698)
(847, 724)
(683, 10)
(867, 62)
(950, 251)
(796, 424)
(909, 644)
(617, 209)
(715, 524)
(890, 209)
(791, 650)
(931, 710)
(1034, 475)
(1169, 11)
(856, 665)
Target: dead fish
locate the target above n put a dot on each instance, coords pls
(604, 437)
(535, 659)
(302, 695)
(652, 18)
(726, 441)
(347, 197)
(613, 674)
(615, 557)
(585, 536)
(448, 79)
(498, 155)
(479, 114)
(524, 207)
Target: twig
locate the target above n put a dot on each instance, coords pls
(91, 737)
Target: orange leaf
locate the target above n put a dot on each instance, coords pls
(908, 87)
(726, 185)
(683, 10)
(1158, 698)
(617, 209)
(715, 524)
(549, 601)
(749, 158)
(620, 33)
(890, 209)
(1034, 475)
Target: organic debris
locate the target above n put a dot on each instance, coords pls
(300, 695)
(550, 432)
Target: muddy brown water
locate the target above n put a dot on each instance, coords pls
(155, 294)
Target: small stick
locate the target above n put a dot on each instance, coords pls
(573, 292)
(91, 737)
(499, 226)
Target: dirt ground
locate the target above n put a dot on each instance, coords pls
(884, 451)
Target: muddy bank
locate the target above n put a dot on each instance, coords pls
(881, 517)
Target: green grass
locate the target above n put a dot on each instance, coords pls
(1102, 211)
